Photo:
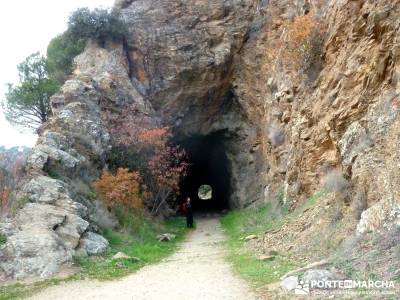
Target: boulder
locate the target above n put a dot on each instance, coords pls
(43, 238)
(318, 275)
(290, 283)
(93, 243)
(166, 237)
(38, 252)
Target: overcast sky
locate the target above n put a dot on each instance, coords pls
(27, 27)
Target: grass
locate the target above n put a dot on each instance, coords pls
(310, 202)
(261, 272)
(21, 291)
(240, 223)
(135, 237)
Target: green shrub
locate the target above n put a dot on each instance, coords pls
(3, 239)
(98, 24)
(54, 174)
(285, 204)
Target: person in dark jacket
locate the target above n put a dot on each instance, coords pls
(189, 213)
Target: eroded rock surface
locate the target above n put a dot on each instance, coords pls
(182, 60)
(72, 147)
(346, 118)
(92, 243)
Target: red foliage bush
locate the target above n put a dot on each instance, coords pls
(122, 189)
(142, 146)
(166, 165)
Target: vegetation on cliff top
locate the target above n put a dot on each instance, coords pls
(27, 104)
(98, 24)
(61, 52)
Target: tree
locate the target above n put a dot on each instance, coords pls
(28, 103)
(61, 52)
(98, 24)
(122, 189)
(142, 146)
(166, 165)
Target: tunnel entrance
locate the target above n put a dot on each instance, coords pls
(209, 167)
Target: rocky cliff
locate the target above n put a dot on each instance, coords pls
(345, 118)
(204, 67)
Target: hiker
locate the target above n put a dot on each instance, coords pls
(189, 213)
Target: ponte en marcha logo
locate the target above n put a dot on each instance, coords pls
(383, 286)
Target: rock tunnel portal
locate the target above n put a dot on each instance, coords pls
(209, 166)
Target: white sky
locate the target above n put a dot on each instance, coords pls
(27, 27)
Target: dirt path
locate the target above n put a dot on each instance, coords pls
(198, 270)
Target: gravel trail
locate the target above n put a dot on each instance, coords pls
(198, 270)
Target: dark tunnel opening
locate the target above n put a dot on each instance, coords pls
(209, 166)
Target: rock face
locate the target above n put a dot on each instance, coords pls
(345, 118)
(182, 55)
(203, 67)
(92, 243)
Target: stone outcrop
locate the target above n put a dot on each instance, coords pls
(53, 221)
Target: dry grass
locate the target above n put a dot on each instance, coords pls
(311, 232)
(297, 46)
